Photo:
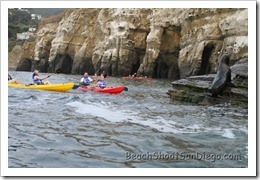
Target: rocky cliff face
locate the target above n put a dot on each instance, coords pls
(14, 57)
(163, 43)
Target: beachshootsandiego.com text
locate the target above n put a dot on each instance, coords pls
(181, 156)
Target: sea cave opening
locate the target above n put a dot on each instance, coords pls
(63, 64)
(205, 66)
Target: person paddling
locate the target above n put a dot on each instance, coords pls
(86, 80)
(101, 82)
(95, 77)
(12, 81)
(134, 75)
(38, 80)
(9, 77)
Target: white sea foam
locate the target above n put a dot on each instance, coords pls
(99, 111)
(115, 114)
(228, 134)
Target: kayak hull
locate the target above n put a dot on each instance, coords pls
(51, 87)
(110, 90)
(137, 78)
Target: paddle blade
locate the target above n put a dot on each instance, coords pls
(75, 86)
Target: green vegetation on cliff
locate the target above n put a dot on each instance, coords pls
(20, 20)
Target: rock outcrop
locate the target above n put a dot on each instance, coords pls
(14, 57)
(162, 43)
(195, 89)
(25, 63)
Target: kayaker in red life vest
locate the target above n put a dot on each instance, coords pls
(38, 80)
(86, 80)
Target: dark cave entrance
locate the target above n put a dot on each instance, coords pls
(63, 64)
(67, 64)
(205, 62)
(138, 58)
(135, 67)
(109, 70)
(24, 65)
(161, 70)
(86, 66)
(42, 65)
(166, 64)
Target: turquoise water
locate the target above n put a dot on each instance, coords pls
(139, 128)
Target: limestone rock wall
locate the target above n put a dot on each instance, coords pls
(163, 43)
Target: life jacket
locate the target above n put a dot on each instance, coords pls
(102, 84)
(86, 80)
(38, 81)
(9, 77)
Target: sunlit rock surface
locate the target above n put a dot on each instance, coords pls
(162, 43)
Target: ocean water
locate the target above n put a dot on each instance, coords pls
(141, 128)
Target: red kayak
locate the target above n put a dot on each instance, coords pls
(137, 78)
(110, 90)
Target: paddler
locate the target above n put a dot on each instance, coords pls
(95, 77)
(85, 80)
(38, 80)
(134, 75)
(101, 82)
(12, 81)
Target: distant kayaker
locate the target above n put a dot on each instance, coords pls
(95, 77)
(101, 82)
(38, 80)
(134, 75)
(9, 77)
(12, 81)
(86, 80)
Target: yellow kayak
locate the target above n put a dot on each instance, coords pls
(51, 87)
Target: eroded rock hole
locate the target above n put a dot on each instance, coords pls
(24, 65)
(161, 70)
(63, 64)
(83, 66)
(67, 65)
(166, 64)
(205, 62)
(139, 55)
(135, 67)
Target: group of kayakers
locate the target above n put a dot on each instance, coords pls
(84, 81)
